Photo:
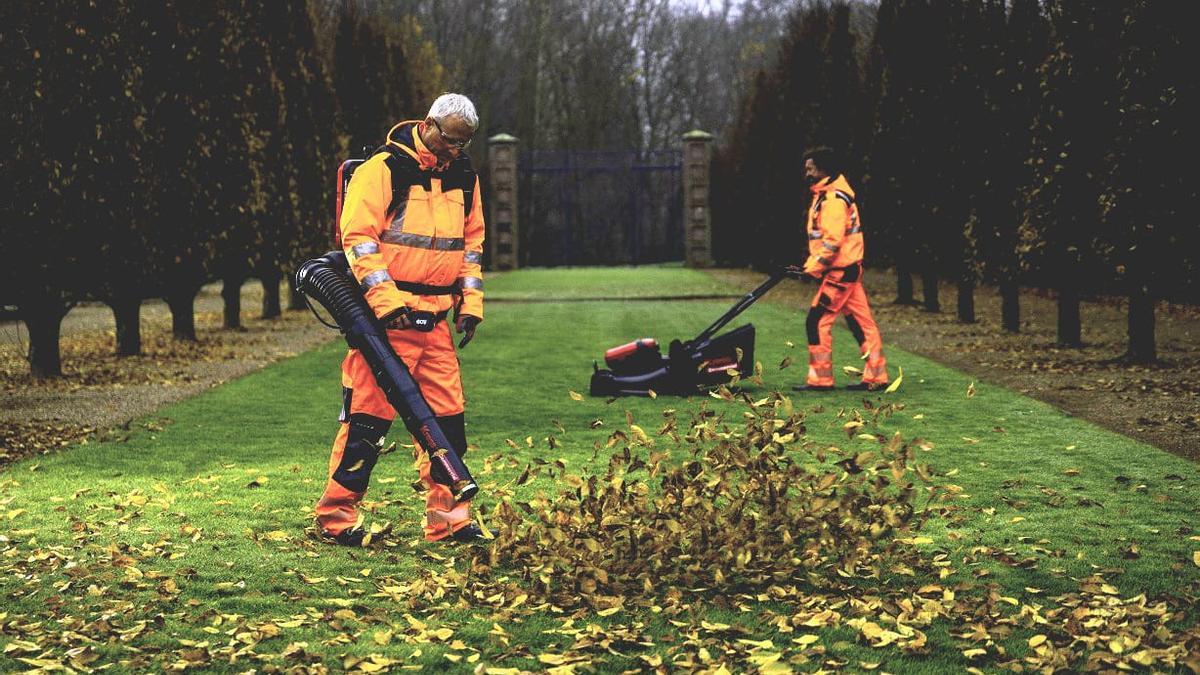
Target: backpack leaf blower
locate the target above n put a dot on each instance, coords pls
(704, 361)
(328, 281)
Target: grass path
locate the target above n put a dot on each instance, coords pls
(185, 544)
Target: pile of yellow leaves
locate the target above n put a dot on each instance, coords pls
(729, 508)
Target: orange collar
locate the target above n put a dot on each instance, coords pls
(427, 159)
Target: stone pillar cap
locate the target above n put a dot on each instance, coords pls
(502, 138)
(697, 135)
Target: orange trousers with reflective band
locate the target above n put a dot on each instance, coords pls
(431, 359)
(835, 297)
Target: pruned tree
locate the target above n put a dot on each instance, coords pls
(1152, 180)
(44, 279)
(1076, 119)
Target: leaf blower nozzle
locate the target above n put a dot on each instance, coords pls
(328, 281)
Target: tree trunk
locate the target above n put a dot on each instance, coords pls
(182, 301)
(44, 322)
(966, 301)
(929, 286)
(1141, 326)
(1010, 306)
(270, 303)
(904, 287)
(1069, 328)
(231, 293)
(127, 310)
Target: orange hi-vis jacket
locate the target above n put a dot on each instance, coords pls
(834, 230)
(428, 238)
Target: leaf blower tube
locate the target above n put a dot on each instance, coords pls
(327, 280)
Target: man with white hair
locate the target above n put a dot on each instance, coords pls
(412, 228)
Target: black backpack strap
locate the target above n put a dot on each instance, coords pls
(460, 176)
(406, 172)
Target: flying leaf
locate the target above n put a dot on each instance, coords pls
(895, 383)
(971, 390)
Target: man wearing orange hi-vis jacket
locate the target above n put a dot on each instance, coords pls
(835, 255)
(412, 229)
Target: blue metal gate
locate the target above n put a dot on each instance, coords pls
(600, 207)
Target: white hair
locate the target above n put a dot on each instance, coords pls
(454, 105)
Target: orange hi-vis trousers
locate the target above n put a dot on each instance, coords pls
(842, 292)
(367, 416)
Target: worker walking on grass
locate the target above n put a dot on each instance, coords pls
(835, 254)
(412, 228)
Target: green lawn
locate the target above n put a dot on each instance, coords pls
(184, 546)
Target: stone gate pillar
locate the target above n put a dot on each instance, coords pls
(697, 217)
(502, 220)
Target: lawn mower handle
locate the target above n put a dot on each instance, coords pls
(741, 305)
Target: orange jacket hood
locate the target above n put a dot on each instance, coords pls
(407, 135)
(831, 183)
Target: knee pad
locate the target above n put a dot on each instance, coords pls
(855, 329)
(361, 452)
(812, 324)
(455, 429)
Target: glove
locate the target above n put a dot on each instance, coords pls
(465, 323)
(407, 317)
(398, 320)
(793, 271)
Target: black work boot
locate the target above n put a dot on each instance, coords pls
(469, 534)
(349, 537)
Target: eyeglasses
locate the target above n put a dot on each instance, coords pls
(460, 145)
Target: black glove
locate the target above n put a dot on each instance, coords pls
(398, 319)
(407, 317)
(466, 324)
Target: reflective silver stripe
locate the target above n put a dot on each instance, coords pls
(831, 247)
(470, 282)
(375, 278)
(854, 230)
(475, 257)
(844, 197)
(365, 248)
(421, 241)
(814, 234)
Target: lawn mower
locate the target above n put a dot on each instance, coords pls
(639, 367)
